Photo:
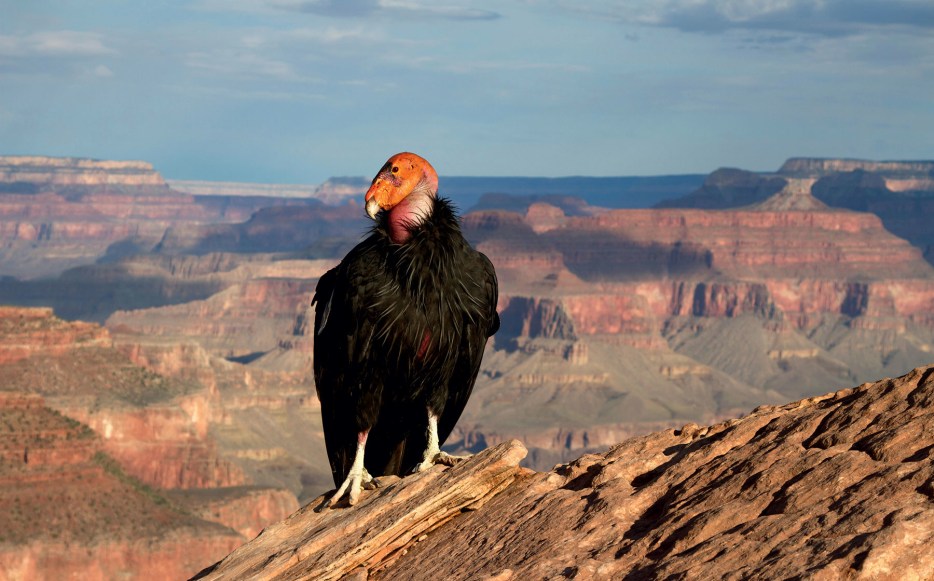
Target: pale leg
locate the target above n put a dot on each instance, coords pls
(356, 478)
(433, 454)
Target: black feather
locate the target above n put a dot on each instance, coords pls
(394, 295)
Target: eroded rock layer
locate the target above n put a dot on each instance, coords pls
(93, 447)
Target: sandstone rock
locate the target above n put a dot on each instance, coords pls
(28, 331)
(824, 166)
(60, 213)
(155, 426)
(796, 195)
(311, 543)
(84, 470)
(837, 486)
(900, 193)
(67, 509)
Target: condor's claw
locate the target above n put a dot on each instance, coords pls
(357, 477)
(433, 454)
(439, 457)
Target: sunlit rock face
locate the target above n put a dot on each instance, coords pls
(786, 491)
(108, 469)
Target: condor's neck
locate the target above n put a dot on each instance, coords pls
(408, 215)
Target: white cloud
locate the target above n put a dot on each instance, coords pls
(58, 43)
(329, 35)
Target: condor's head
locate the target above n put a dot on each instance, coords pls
(405, 188)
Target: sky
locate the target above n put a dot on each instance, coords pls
(296, 91)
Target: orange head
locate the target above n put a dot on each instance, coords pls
(405, 173)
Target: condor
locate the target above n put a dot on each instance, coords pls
(400, 328)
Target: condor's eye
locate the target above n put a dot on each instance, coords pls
(395, 169)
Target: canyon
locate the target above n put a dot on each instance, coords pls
(108, 468)
(67, 507)
(652, 317)
(175, 326)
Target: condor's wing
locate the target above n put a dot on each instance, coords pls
(342, 332)
(481, 323)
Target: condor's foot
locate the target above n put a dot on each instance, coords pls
(357, 477)
(352, 486)
(433, 454)
(439, 457)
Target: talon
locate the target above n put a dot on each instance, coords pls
(356, 478)
(425, 464)
(450, 459)
(433, 454)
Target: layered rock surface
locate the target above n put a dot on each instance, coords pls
(67, 508)
(72, 171)
(90, 442)
(787, 491)
(618, 322)
(58, 213)
(901, 193)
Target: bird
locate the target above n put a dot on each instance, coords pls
(401, 324)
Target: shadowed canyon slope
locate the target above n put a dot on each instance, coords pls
(107, 469)
(66, 507)
(785, 492)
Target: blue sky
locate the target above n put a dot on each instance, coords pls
(295, 91)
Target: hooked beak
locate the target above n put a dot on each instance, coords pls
(372, 208)
(384, 193)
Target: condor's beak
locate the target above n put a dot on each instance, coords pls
(384, 193)
(372, 208)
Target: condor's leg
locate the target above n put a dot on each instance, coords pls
(357, 477)
(433, 454)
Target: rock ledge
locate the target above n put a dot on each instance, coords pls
(837, 486)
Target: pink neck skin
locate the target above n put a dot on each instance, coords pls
(413, 210)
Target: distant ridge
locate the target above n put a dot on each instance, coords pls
(76, 171)
(30, 174)
(608, 192)
(815, 165)
(901, 193)
(208, 188)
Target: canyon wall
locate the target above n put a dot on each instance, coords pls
(901, 193)
(810, 165)
(67, 508)
(90, 443)
(59, 213)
